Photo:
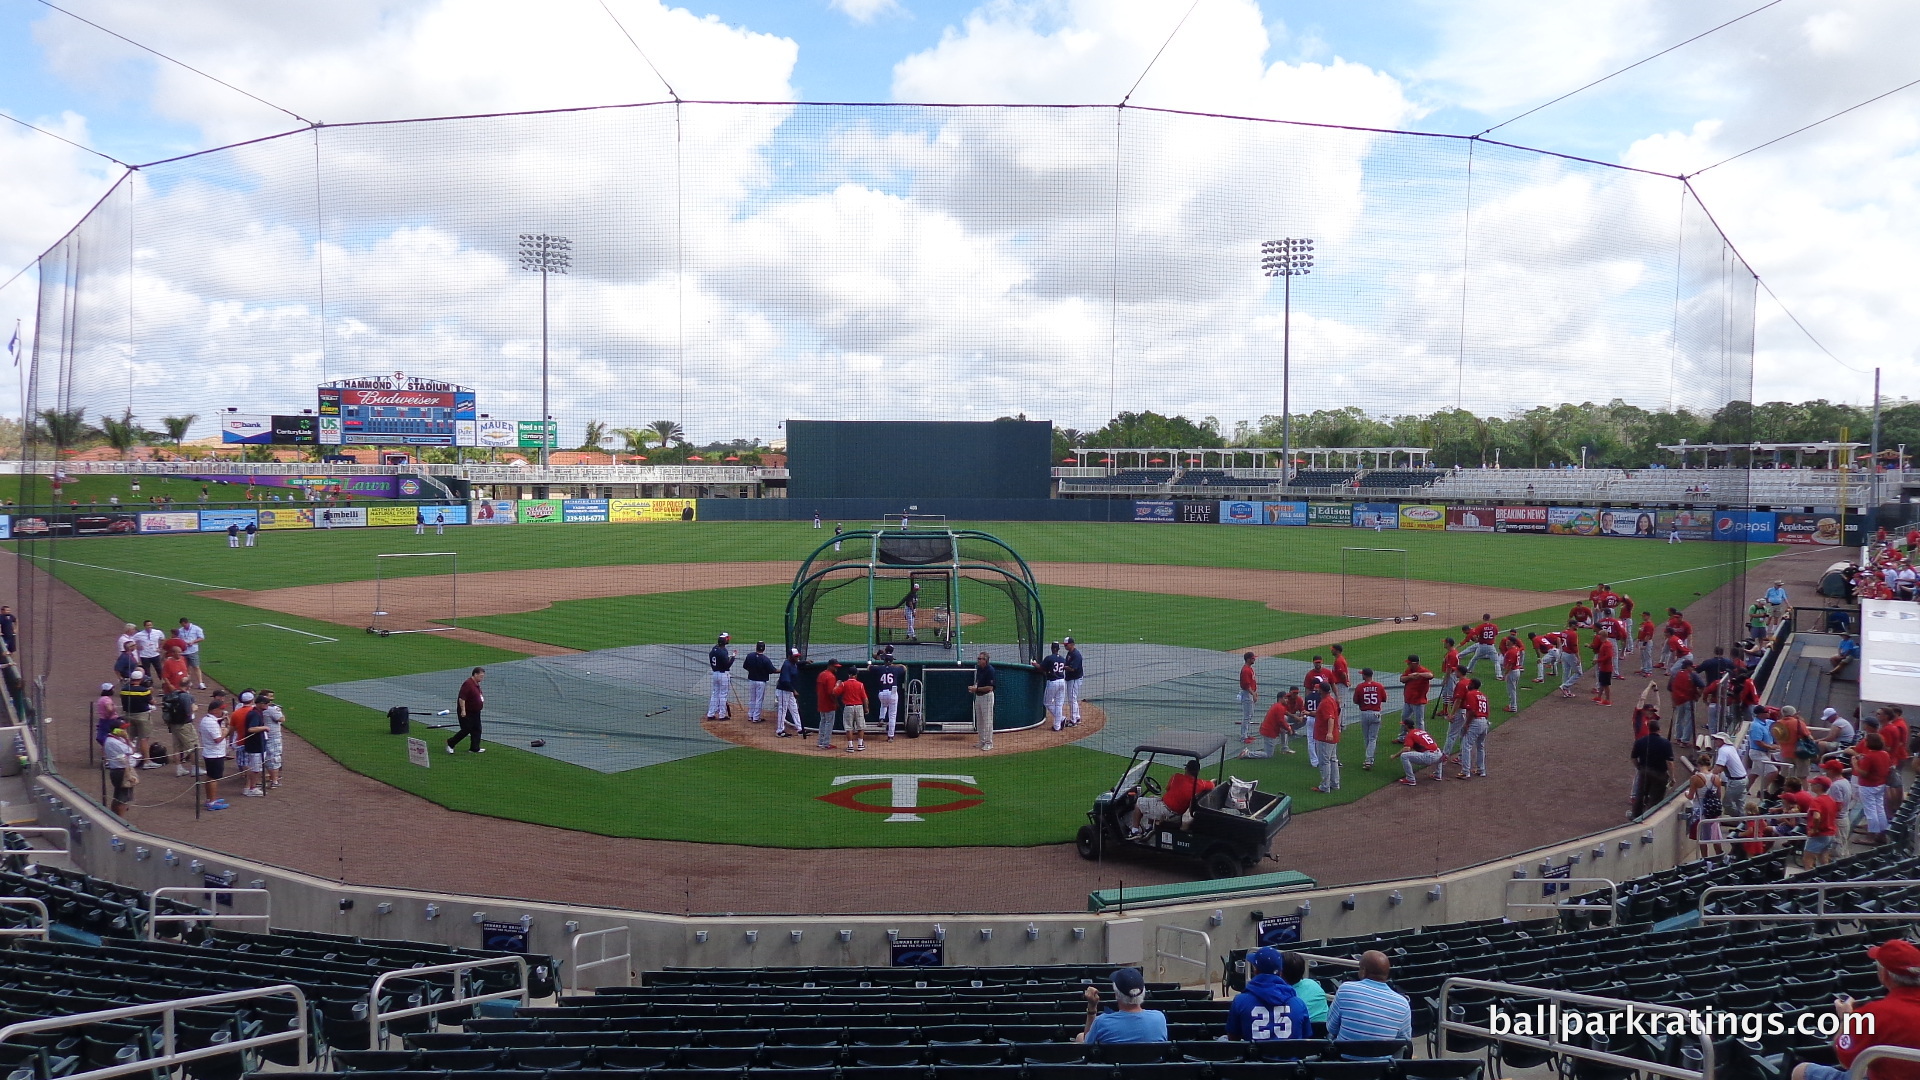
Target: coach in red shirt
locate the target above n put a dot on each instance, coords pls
(1414, 682)
(1684, 688)
(826, 699)
(1895, 1019)
(1326, 737)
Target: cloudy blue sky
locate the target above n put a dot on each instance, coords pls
(1829, 219)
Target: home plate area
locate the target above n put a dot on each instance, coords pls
(628, 708)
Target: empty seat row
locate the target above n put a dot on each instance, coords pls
(1404, 1069)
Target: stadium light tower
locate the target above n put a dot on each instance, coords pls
(545, 255)
(1286, 259)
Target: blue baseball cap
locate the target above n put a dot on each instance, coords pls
(1265, 961)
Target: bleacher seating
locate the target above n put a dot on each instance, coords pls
(1323, 479)
(80, 903)
(1122, 478)
(1213, 478)
(1399, 478)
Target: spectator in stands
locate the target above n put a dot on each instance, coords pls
(213, 752)
(1732, 769)
(1706, 792)
(1367, 1009)
(1795, 741)
(122, 761)
(1652, 761)
(1684, 688)
(106, 713)
(1131, 1021)
(1823, 816)
(1896, 1019)
(1293, 968)
(1269, 1008)
(1871, 764)
(1895, 733)
(1763, 751)
(1845, 653)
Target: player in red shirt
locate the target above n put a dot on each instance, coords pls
(1473, 748)
(1419, 751)
(1603, 654)
(1580, 615)
(1644, 637)
(1515, 660)
(1626, 606)
(1570, 669)
(1326, 738)
(1318, 680)
(1249, 693)
(1414, 682)
(1276, 726)
(1340, 678)
(1483, 644)
(1370, 697)
(1895, 1019)
(826, 699)
(1547, 648)
(1449, 670)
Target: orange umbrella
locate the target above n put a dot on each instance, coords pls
(733, 457)
(696, 457)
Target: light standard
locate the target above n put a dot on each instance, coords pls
(546, 255)
(1286, 259)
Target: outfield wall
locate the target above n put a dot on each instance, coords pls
(1694, 524)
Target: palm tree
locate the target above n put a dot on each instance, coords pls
(65, 427)
(667, 432)
(1538, 436)
(635, 438)
(121, 432)
(595, 434)
(176, 427)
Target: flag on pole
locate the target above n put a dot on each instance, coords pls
(13, 346)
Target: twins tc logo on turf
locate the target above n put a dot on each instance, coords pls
(903, 803)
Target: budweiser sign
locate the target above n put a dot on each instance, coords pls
(422, 400)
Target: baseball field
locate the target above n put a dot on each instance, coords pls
(541, 604)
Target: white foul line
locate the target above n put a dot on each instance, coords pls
(1670, 573)
(321, 639)
(118, 570)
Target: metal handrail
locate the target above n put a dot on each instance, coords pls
(1791, 838)
(44, 931)
(375, 1017)
(600, 938)
(1183, 934)
(65, 850)
(154, 918)
(1612, 885)
(1553, 1045)
(169, 1056)
(1858, 1070)
(1820, 912)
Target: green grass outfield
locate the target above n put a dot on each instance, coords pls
(749, 796)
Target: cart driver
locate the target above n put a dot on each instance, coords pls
(1182, 789)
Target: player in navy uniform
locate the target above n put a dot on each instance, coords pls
(1076, 671)
(719, 661)
(891, 677)
(786, 703)
(759, 667)
(1054, 667)
(911, 606)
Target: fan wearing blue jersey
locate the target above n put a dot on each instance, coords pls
(1269, 1009)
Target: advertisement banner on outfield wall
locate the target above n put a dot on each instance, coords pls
(171, 521)
(108, 524)
(1340, 514)
(1283, 513)
(1520, 519)
(1471, 519)
(393, 515)
(541, 511)
(6, 527)
(494, 512)
(218, 520)
(1376, 516)
(330, 517)
(26, 525)
(651, 510)
(446, 514)
(1822, 529)
(289, 518)
(1158, 510)
(1197, 513)
(1693, 524)
(1573, 521)
(584, 510)
(1422, 517)
(1754, 526)
(1239, 513)
(1632, 523)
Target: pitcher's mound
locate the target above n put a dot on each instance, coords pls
(895, 619)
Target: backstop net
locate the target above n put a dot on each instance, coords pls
(1537, 326)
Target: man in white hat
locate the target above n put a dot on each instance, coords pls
(720, 665)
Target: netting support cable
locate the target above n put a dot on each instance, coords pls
(679, 274)
(132, 182)
(1807, 127)
(643, 53)
(1679, 270)
(1466, 245)
(176, 63)
(1113, 272)
(1630, 67)
(320, 251)
(64, 139)
(1163, 48)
